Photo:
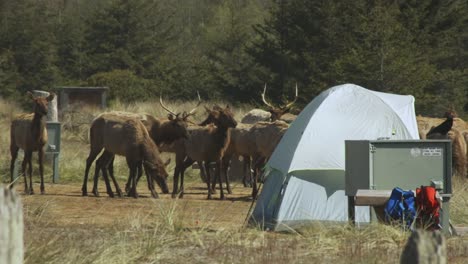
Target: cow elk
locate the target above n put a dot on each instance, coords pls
(28, 132)
(160, 130)
(127, 137)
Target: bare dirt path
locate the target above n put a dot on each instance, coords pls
(63, 206)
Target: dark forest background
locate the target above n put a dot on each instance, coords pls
(229, 49)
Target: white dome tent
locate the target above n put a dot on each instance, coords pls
(305, 175)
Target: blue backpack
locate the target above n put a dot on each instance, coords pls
(401, 206)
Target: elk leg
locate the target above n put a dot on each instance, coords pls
(213, 180)
(139, 172)
(14, 155)
(133, 170)
(98, 167)
(23, 170)
(225, 166)
(110, 168)
(41, 168)
(177, 174)
(258, 164)
(175, 184)
(150, 181)
(89, 161)
(220, 178)
(29, 159)
(128, 185)
(202, 171)
(103, 163)
(247, 179)
(208, 178)
(106, 180)
(187, 163)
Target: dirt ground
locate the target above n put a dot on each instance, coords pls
(63, 205)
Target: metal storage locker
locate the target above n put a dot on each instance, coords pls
(408, 164)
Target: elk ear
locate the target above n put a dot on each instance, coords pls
(227, 107)
(170, 117)
(207, 109)
(167, 162)
(50, 97)
(30, 95)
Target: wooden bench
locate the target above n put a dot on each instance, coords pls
(365, 197)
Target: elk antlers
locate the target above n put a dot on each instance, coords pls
(185, 115)
(284, 107)
(198, 104)
(165, 107)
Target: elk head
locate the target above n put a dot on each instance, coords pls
(277, 112)
(158, 173)
(178, 121)
(221, 117)
(41, 104)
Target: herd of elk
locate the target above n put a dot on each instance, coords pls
(139, 138)
(159, 130)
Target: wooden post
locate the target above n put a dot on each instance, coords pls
(425, 247)
(11, 227)
(351, 210)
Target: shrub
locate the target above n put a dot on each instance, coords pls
(124, 85)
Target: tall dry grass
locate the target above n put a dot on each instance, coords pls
(161, 235)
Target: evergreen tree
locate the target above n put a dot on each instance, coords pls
(28, 36)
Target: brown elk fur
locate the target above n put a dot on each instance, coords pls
(266, 136)
(164, 130)
(459, 152)
(240, 145)
(127, 137)
(161, 131)
(426, 123)
(28, 132)
(255, 143)
(459, 143)
(205, 145)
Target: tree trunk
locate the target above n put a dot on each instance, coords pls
(11, 227)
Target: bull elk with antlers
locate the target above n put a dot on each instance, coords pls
(205, 144)
(274, 112)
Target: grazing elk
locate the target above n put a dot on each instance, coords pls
(205, 144)
(274, 113)
(160, 130)
(28, 132)
(127, 137)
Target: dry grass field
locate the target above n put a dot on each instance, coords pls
(64, 227)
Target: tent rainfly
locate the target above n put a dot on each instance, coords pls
(305, 175)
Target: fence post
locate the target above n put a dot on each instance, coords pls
(425, 247)
(11, 227)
